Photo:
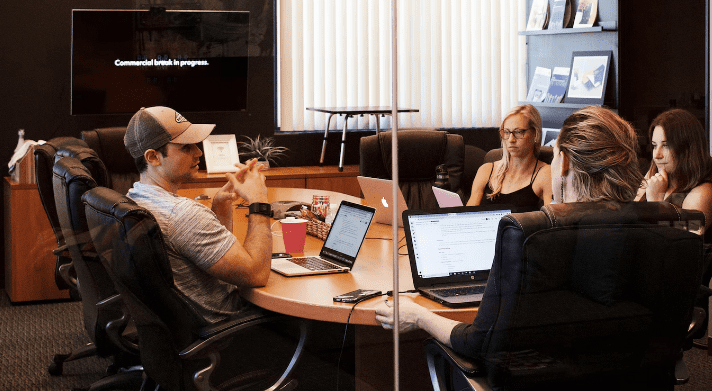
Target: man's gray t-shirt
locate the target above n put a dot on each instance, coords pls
(195, 241)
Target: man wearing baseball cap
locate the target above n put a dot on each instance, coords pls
(208, 261)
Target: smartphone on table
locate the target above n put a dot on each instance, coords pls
(357, 295)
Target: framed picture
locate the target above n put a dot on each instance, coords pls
(220, 153)
(589, 75)
(548, 136)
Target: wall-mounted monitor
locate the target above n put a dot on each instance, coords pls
(123, 60)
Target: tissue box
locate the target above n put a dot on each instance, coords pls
(24, 169)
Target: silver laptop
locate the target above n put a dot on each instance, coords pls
(342, 244)
(379, 194)
(451, 251)
(446, 198)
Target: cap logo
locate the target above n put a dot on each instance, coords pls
(180, 118)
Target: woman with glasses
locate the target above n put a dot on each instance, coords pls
(519, 179)
(681, 170)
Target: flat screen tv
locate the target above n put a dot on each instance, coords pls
(123, 60)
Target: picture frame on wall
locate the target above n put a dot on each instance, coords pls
(220, 152)
(589, 76)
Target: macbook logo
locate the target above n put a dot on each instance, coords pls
(384, 202)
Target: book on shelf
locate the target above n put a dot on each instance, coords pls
(557, 85)
(539, 15)
(540, 85)
(586, 13)
(560, 15)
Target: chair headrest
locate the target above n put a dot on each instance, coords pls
(88, 158)
(419, 152)
(607, 212)
(109, 146)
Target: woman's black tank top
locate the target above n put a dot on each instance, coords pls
(525, 198)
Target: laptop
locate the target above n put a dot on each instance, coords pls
(446, 198)
(451, 251)
(379, 194)
(342, 244)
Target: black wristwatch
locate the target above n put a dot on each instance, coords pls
(261, 208)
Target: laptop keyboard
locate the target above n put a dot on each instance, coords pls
(461, 291)
(313, 263)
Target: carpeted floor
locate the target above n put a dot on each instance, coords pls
(31, 333)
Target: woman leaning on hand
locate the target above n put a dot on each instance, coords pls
(681, 167)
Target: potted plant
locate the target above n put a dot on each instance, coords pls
(261, 148)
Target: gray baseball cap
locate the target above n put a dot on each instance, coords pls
(154, 127)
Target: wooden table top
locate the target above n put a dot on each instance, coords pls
(311, 297)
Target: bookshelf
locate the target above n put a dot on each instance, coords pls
(554, 48)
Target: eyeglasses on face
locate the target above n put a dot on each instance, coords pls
(518, 133)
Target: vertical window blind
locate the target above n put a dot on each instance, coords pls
(460, 62)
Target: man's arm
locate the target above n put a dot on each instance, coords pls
(245, 264)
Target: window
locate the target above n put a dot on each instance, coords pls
(461, 62)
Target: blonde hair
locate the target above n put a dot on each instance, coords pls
(602, 150)
(533, 122)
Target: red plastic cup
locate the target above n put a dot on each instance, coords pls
(294, 233)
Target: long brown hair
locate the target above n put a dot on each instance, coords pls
(533, 122)
(602, 150)
(686, 139)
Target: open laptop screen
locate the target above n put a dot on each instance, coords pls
(453, 244)
(347, 232)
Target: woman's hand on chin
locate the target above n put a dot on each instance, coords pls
(657, 186)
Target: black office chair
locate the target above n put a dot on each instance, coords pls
(44, 161)
(179, 348)
(105, 319)
(108, 143)
(474, 158)
(582, 296)
(420, 151)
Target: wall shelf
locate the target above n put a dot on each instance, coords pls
(569, 30)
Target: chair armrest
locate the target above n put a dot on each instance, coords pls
(59, 250)
(469, 366)
(66, 272)
(115, 328)
(226, 328)
(212, 336)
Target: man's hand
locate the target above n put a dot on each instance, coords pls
(657, 186)
(248, 182)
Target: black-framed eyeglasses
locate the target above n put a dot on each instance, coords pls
(518, 133)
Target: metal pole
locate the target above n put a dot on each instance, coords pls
(394, 170)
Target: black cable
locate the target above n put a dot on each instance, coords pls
(343, 342)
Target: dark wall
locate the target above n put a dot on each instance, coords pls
(35, 52)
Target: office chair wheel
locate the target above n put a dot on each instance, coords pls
(57, 366)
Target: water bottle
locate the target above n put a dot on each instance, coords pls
(442, 178)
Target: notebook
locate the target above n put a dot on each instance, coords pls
(342, 244)
(451, 251)
(379, 193)
(446, 198)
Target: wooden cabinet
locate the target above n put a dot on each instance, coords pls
(29, 241)
(311, 177)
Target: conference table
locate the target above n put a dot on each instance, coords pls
(311, 297)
